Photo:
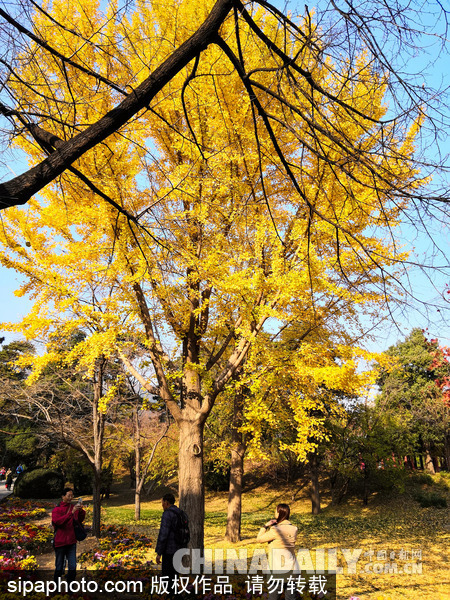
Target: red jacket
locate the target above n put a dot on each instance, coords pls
(63, 517)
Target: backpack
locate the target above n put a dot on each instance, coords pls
(182, 533)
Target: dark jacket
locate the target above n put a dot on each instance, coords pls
(63, 517)
(167, 543)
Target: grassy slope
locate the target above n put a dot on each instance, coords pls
(390, 525)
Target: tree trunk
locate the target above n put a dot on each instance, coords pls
(429, 466)
(137, 468)
(137, 504)
(447, 452)
(98, 424)
(190, 475)
(315, 490)
(233, 530)
(96, 504)
(333, 486)
(436, 463)
(366, 485)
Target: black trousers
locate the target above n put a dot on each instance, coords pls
(168, 570)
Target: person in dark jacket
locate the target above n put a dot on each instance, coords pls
(65, 543)
(167, 545)
(9, 479)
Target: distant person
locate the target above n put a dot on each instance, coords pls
(2, 474)
(173, 535)
(65, 542)
(9, 479)
(19, 470)
(281, 534)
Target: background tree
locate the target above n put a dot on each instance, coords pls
(139, 437)
(67, 404)
(417, 387)
(299, 388)
(365, 448)
(19, 438)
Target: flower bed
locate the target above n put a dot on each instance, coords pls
(118, 549)
(17, 514)
(16, 509)
(18, 539)
(17, 560)
(24, 535)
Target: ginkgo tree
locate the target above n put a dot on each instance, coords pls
(280, 402)
(181, 237)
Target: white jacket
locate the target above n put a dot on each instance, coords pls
(281, 538)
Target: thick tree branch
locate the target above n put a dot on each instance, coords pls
(20, 189)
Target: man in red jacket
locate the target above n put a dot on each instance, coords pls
(63, 517)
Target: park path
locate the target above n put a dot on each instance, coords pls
(4, 493)
(47, 560)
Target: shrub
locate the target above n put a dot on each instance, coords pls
(426, 499)
(443, 481)
(390, 478)
(39, 483)
(420, 479)
(74, 468)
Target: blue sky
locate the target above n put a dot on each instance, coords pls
(429, 288)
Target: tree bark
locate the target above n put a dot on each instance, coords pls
(238, 446)
(190, 476)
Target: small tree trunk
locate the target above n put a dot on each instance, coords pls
(315, 490)
(233, 530)
(190, 478)
(447, 452)
(98, 424)
(436, 463)
(137, 499)
(96, 504)
(333, 484)
(366, 485)
(137, 504)
(137, 468)
(429, 466)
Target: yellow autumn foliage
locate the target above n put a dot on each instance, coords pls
(215, 237)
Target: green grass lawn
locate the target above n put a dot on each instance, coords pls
(387, 531)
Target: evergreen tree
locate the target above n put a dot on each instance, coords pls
(416, 383)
